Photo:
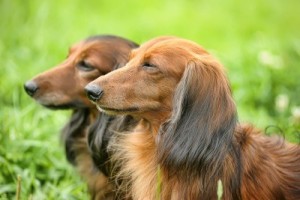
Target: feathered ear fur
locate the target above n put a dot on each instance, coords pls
(98, 138)
(73, 130)
(101, 133)
(194, 142)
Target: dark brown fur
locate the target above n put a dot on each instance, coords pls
(187, 136)
(62, 87)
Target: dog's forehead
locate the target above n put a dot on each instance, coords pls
(172, 46)
(74, 47)
(84, 48)
(81, 47)
(170, 53)
(149, 44)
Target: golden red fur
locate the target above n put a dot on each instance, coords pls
(187, 136)
(62, 87)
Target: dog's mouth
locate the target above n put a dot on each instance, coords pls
(59, 107)
(65, 106)
(117, 110)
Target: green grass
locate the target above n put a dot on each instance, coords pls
(258, 42)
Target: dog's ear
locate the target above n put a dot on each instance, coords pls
(73, 131)
(98, 139)
(194, 141)
(101, 133)
(122, 58)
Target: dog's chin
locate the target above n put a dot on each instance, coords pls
(117, 111)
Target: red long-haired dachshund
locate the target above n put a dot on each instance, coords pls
(187, 137)
(62, 87)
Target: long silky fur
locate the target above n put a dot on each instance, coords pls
(201, 143)
(195, 142)
(100, 135)
(135, 164)
(73, 130)
(74, 137)
(98, 139)
(271, 166)
(192, 146)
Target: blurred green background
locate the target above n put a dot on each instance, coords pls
(258, 41)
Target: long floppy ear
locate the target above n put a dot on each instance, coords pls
(101, 133)
(195, 140)
(73, 131)
(98, 139)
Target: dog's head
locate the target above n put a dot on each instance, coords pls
(161, 74)
(175, 84)
(63, 86)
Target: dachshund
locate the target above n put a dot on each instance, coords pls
(187, 139)
(62, 87)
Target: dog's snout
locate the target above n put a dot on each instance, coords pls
(30, 87)
(93, 92)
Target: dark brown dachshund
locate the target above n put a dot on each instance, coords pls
(62, 87)
(187, 137)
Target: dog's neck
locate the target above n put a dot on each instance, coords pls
(143, 174)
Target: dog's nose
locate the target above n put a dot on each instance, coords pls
(30, 87)
(93, 92)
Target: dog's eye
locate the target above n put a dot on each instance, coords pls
(150, 67)
(84, 66)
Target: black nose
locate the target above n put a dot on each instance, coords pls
(93, 92)
(30, 87)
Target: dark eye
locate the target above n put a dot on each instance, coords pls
(147, 65)
(150, 68)
(84, 66)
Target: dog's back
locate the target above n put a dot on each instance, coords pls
(271, 166)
